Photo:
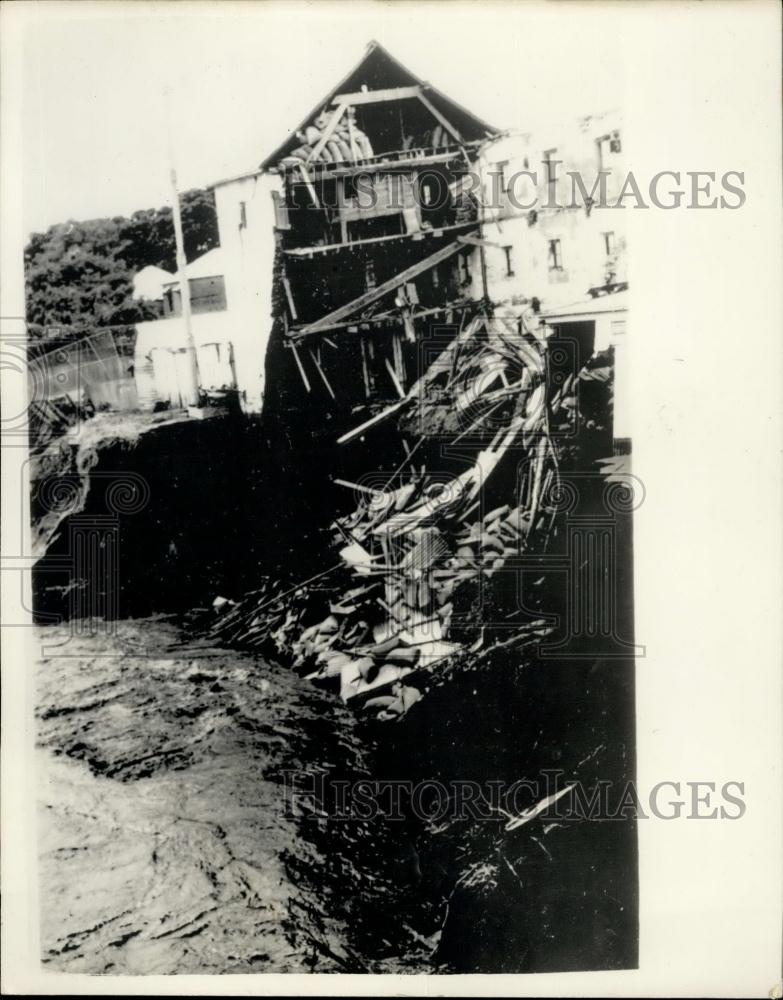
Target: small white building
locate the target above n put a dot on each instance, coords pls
(162, 365)
(229, 348)
(149, 282)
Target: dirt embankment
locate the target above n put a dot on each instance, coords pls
(162, 817)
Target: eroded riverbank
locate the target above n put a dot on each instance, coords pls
(162, 822)
(169, 842)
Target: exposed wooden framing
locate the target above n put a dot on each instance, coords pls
(477, 241)
(365, 300)
(388, 412)
(407, 321)
(290, 297)
(356, 486)
(327, 133)
(444, 359)
(399, 363)
(321, 372)
(444, 121)
(382, 318)
(300, 366)
(438, 366)
(365, 368)
(397, 94)
(309, 183)
(394, 379)
(377, 96)
(383, 166)
(351, 140)
(329, 247)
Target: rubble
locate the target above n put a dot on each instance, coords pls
(410, 550)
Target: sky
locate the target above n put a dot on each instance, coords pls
(113, 93)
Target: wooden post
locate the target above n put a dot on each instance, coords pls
(395, 380)
(365, 367)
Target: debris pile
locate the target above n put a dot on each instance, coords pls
(418, 554)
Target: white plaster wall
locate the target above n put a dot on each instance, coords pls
(248, 255)
(581, 236)
(208, 328)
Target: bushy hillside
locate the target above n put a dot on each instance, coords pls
(79, 275)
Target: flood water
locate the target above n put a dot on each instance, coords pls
(168, 842)
(164, 839)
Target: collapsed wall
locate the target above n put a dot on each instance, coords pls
(426, 552)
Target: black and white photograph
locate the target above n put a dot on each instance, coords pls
(333, 495)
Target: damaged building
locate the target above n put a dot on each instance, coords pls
(418, 501)
(435, 328)
(391, 212)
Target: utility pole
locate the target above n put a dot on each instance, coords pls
(184, 287)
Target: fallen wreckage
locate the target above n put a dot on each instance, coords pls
(419, 554)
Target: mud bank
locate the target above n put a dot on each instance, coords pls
(165, 840)
(171, 841)
(212, 506)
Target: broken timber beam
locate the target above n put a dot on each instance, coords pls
(379, 319)
(289, 296)
(309, 184)
(327, 133)
(376, 293)
(436, 368)
(388, 412)
(477, 241)
(377, 96)
(434, 111)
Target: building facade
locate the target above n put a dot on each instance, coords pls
(389, 212)
(553, 240)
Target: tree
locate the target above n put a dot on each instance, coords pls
(80, 274)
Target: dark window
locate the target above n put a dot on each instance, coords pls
(509, 263)
(555, 256)
(608, 147)
(207, 294)
(242, 215)
(610, 243)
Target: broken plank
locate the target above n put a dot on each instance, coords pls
(323, 375)
(322, 248)
(365, 368)
(357, 486)
(379, 319)
(309, 184)
(300, 366)
(388, 412)
(290, 297)
(434, 111)
(327, 133)
(477, 241)
(377, 96)
(394, 379)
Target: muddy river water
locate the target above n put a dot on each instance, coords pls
(164, 831)
(169, 841)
